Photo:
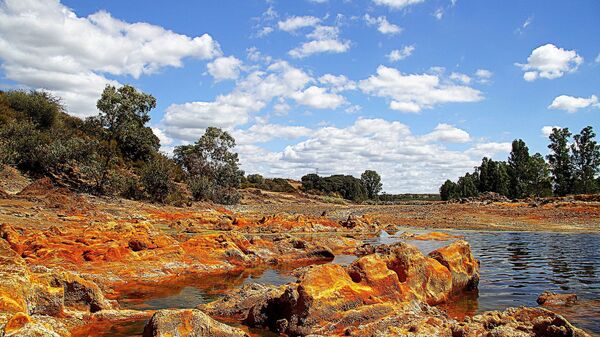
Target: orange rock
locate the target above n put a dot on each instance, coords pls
(16, 322)
(436, 236)
(457, 258)
(188, 322)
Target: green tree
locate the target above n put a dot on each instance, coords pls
(586, 161)
(539, 183)
(501, 178)
(40, 107)
(560, 161)
(449, 190)
(212, 158)
(518, 168)
(124, 113)
(372, 183)
(467, 185)
(156, 178)
(493, 176)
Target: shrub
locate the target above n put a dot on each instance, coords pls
(226, 196)
(201, 188)
(155, 177)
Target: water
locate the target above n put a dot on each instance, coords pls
(515, 268)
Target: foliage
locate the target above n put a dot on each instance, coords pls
(467, 185)
(267, 184)
(560, 161)
(212, 167)
(518, 162)
(347, 186)
(39, 107)
(371, 180)
(449, 190)
(156, 178)
(586, 161)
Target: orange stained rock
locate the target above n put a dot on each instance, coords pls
(436, 236)
(459, 260)
(16, 322)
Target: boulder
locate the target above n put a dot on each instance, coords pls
(457, 257)
(548, 298)
(187, 322)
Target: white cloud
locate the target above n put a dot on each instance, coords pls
(547, 130)
(572, 104)
(460, 77)
(549, 61)
(414, 92)
(264, 31)
(263, 132)
(164, 139)
(44, 44)
(224, 68)
(406, 162)
(598, 58)
(383, 25)
(294, 23)
(483, 75)
(439, 13)
(397, 55)
(397, 4)
(324, 40)
(489, 149)
(318, 98)
(447, 133)
(337, 83)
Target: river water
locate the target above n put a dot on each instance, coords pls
(515, 268)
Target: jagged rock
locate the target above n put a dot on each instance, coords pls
(548, 298)
(457, 257)
(238, 303)
(187, 322)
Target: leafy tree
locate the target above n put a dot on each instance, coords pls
(372, 183)
(467, 185)
(211, 158)
(255, 179)
(501, 178)
(156, 178)
(40, 107)
(347, 186)
(518, 168)
(493, 176)
(538, 177)
(311, 182)
(449, 190)
(586, 161)
(124, 113)
(560, 161)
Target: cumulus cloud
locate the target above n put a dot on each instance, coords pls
(447, 133)
(383, 25)
(406, 162)
(264, 132)
(397, 4)
(397, 55)
(550, 62)
(547, 130)
(44, 44)
(319, 98)
(489, 149)
(464, 78)
(572, 104)
(337, 83)
(483, 75)
(324, 39)
(414, 92)
(224, 68)
(294, 23)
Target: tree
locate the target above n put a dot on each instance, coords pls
(586, 161)
(372, 183)
(467, 185)
(40, 107)
(538, 183)
(124, 113)
(560, 161)
(211, 158)
(156, 178)
(518, 163)
(449, 190)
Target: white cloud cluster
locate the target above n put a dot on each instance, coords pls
(397, 55)
(264, 132)
(489, 149)
(571, 104)
(464, 78)
(550, 62)
(294, 23)
(252, 93)
(224, 68)
(44, 44)
(406, 162)
(483, 76)
(414, 92)
(337, 83)
(324, 39)
(397, 4)
(383, 25)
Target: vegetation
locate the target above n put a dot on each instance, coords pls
(570, 170)
(346, 186)
(267, 184)
(372, 183)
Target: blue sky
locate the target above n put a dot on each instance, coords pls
(306, 85)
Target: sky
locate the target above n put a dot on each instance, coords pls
(418, 90)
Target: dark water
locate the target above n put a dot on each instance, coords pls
(515, 268)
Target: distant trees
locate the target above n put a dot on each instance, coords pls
(268, 184)
(212, 168)
(371, 180)
(570, 169)
(347, 186)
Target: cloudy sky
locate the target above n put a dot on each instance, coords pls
(418, 90)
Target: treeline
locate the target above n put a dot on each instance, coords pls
(267, 184)
(115, 152)
(346, 186)
(572, 167)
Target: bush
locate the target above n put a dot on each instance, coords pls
(201, 188)
(255, 179)
(155, 177)
(41, 107)
(226, 196)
